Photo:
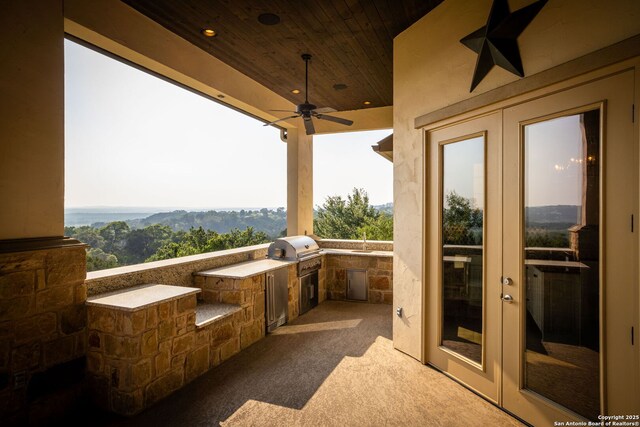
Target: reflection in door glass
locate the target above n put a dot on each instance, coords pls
(561, 214)
(462, 235)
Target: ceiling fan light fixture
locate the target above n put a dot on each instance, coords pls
(208, 32)
(308, 111)
(268, 19)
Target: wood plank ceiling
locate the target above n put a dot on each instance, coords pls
(351, 42)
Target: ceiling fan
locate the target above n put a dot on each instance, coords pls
(306, 110)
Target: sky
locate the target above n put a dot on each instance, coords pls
(132, 139)
(345, 161)
(553, 172)
(553, 177)
(463, 163)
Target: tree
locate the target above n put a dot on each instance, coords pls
(348, 219)
(86, 234)
(198, 241)
(461, 223)
(380, 228)
(142, 243)
(97, 259)
(115, 236)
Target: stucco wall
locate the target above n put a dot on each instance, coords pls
(31, 119)
(433, 70)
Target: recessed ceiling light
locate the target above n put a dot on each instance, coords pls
(367, 102)
(339, 86)
(268, 19)
(296, 91)
(208, 32)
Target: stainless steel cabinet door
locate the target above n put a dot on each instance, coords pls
(357, 285)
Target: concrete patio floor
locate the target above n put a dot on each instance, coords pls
(334, 366)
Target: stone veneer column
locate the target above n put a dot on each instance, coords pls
(42, 329)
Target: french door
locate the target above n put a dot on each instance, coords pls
(532, 260)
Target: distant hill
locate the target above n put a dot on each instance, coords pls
(89, 218)
(566, 214)
(386, 208)
(272, 222)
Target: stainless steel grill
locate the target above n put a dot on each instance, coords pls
(307, 252)
(294, 248)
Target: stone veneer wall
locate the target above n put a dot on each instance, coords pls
(135, 358)
(42, 332)
(374, 245)
(248, 294)
(176, 271)
(379, 276)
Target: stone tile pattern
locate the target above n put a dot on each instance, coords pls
(136, 358)
(246, 327)
(379, 276)
(42, 322)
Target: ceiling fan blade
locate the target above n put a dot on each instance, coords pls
(322, 110)
(281, 120)
(335, 119)
(308, 125)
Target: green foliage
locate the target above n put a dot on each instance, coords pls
(461, 223)
(114, 235)
(97, 259)
(86, 234)
(544, 238)
(380, 228)
(198, 240)
(144, 242)
(348, 219)
(116, 244)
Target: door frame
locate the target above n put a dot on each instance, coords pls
(608, 95)
(486, 374)
(580, 80)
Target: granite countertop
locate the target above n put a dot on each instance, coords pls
(357, 252)
(209, 313)
(246, 269)
(138, 297)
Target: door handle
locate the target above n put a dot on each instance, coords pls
(507, 298)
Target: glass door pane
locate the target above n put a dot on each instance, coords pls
(562, 260)
(462, 203)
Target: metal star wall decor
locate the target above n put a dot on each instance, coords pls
(496, 43)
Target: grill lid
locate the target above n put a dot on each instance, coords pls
(293, 248)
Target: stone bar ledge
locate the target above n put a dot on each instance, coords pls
(176, 271)
(246, 269)
(139, 297)
(208, 313)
